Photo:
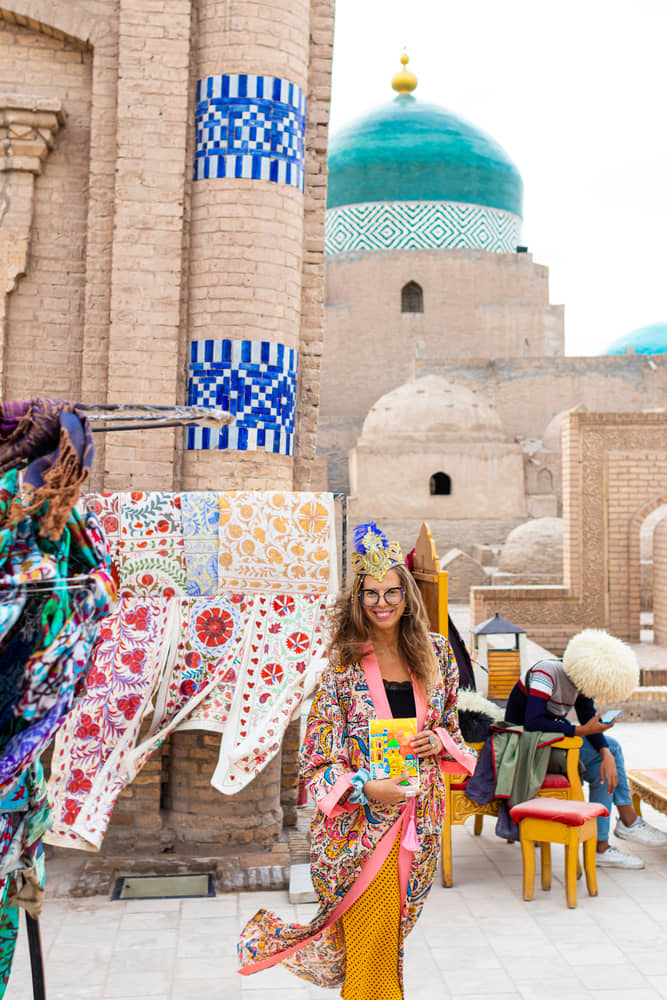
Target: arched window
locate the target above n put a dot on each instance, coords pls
(412, 298)
(440, 485)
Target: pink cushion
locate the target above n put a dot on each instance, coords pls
(555, 781)
(559, 810)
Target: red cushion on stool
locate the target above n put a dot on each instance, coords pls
(459, 786)
(555, 781)
(560, 810)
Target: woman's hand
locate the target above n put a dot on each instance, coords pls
(592, 727)
(608, 771)
(387, 791)
(427, 744)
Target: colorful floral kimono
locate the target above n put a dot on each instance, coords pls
(349, 842)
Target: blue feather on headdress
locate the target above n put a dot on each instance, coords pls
(360, 533)
(373, 554)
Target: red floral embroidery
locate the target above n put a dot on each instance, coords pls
(134, 659)
(71, 810)
(96, 678)
(87, 729)
(272, 673)
(297, 642)
(214, 627)
(284, 605)
(139, 617)
(129, 704)
(78, 782)
(193, 660)
(188, 688)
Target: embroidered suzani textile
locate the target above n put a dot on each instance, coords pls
(133, 647)
(281, 639)
(187, 650)
(277, 542)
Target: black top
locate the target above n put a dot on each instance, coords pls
(401, 699)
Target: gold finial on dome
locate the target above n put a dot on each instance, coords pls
(404, 82)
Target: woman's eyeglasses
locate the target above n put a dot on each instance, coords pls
(393, 596)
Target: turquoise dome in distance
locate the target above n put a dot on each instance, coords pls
(651, 339)
(407, 150)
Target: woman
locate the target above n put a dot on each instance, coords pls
(374, 851)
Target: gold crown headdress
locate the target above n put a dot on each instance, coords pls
(373, 554)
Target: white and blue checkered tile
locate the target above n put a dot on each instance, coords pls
(250, 126)
(253, 379)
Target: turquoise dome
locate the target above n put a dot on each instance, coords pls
(651, 339)
(407, 150)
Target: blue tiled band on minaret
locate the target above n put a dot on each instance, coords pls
(253, 379)
(250, 126)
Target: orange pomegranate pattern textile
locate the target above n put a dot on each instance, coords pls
(272, 542)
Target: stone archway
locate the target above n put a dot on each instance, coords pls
(660, 583)
(639, 520)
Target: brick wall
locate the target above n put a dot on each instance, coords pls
(289, 777)
(45, 314)
(311, 334)
(147, 261)
(195, 813)
(129, 261)
(660, 583)
(526, 392)
(614, 474)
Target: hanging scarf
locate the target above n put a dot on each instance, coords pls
(57, 445)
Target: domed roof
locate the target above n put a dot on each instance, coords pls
(431, 410)
(651, 339)
(534, 550)
(551, 439)
(408, 150)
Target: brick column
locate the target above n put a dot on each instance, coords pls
(247, 239)
(144, 347)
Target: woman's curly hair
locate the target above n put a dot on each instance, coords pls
(351, 634)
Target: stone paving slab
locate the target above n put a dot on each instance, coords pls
(476, 940)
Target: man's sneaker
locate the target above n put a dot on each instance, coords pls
(613, 858)
(641, 832)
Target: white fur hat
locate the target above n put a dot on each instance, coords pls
(601, 666)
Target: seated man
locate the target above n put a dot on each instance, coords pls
(595, 665)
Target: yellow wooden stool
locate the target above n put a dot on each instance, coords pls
(558, 821)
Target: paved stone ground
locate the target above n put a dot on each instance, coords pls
(476, 940)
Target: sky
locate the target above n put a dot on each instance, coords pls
(575, 92)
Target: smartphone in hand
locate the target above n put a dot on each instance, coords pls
(609, 716)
